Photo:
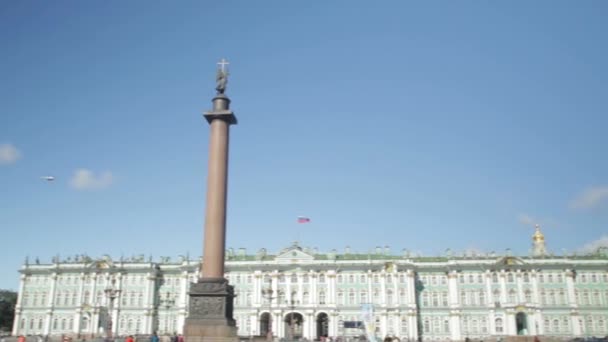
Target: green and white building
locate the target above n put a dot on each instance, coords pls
(303, 293)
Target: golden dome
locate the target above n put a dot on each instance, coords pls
(538, 236)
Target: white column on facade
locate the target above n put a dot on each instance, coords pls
(455, 331)
(275, 288)
(411, 288)
(570, 288)
(149, 303)
(488, 283)
(19, 305)
(412, 326)
(300, 297)
(370, 297)
(383, 290)
(331, 278)
(453, 289)
(397, 294)
(577, 329)
(520, 287)
(491, 322)
(288, 289)
(383, 323)
(51, 303)
(313, 285)
(117, 305)
(510, 327)
(535, 293)
(93, 294)
(502, 278)
(257, 288)
(78, 314)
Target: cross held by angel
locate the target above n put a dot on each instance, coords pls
(222, 76)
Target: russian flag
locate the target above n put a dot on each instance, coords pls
(302, 219)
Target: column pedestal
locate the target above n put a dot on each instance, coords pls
(210, 317)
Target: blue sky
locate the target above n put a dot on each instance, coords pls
(419, 125)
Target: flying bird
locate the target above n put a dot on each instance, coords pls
(48, 178)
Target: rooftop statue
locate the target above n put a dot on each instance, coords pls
(221, 77)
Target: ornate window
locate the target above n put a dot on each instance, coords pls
(482, 298)
(425, 299)
(498, 325)
(351, 297)
(389, 297)
(435, 299)
(528, 296)
(496, 295)
(403, 326)
(402, 296)
(510, 277)
(427, 325)
(363, 297)
(446, 326)
(526, 277)
(340, 297)
(494, 278)
(306, 298)
(444, 299)
(512, 297)
(463, 298)
(321, 297)
(321, 278)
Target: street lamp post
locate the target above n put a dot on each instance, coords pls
(291, 303)
(267, 294)
(111, 293)
(167, 303)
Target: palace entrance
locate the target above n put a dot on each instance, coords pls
(521, 322)
(266, 325)
(293, 325)
(322, 325)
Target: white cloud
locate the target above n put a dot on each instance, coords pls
(590, 198)
(84, 179)
(9, 154)
(594, 245)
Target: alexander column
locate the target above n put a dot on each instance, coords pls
(211, 298)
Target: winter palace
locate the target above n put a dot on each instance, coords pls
(300, 292)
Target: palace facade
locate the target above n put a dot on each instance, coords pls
(300, 292)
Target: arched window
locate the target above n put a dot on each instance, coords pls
(22, 326)
(43, 299)
(444, 298)
(484, 326)
(555, 326)
(543, 297)
(427, 326)
(389, 297)
(547, 326)
(403, 326)
(446, 326)
(340, 297)
(376, 279)
(71, 324)
(294, 278)
(526, 277)
(58, 298)
(496, 295)
(363, 279)
(66, 299)
(40, 324)
(550, 278)
(541, 278)
(528, 296)
(494, 278)
(140, 300)
(402, 296)
(435, 299)
(138, 326)
(425, 299)
(35, 299)
(74, 298)
(586, 297)
(248, 297)
(376, 298)
(351, 279)
(351, 297)
(363, 297)
(560, 279)
(321, 278)
(306, 297)
(63, 324)
(480, 279)
(55, 324)
(463, 298)
(596, 298)
(474, 326)
(482, 298)
(498, 325)
(321, 297)
(510, 277)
